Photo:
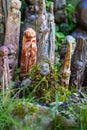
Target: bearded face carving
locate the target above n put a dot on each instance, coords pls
(29, 51)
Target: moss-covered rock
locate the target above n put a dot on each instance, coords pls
(31, 117)
(45, 87)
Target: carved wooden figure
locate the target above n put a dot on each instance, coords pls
(65, 45)
(66, 67)
(79, 58)
(30, 16)
(79, 61)
(13, 25)
(7, 65)
(29, 51)
(5, 79)
(80, 17)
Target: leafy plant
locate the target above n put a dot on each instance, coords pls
(59, 39)
(83, 114)
(70, 9)
(48, 4)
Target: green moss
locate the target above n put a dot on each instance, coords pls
(44, 88)
(22, 109)
(31, 109)
(63, 93)
(19, 110)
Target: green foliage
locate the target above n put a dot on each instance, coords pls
(23, 5)
(59, 39)
(5, 118)
(57, 67)
(67, 27)
(70, 9)
(83, 114)
(11, 108)
(78, 110)
(63, 94)
(19, 114)
(48, 4)
(20, 110)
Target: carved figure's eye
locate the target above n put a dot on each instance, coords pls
(10, 66)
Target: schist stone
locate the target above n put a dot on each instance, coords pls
(13, 25)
